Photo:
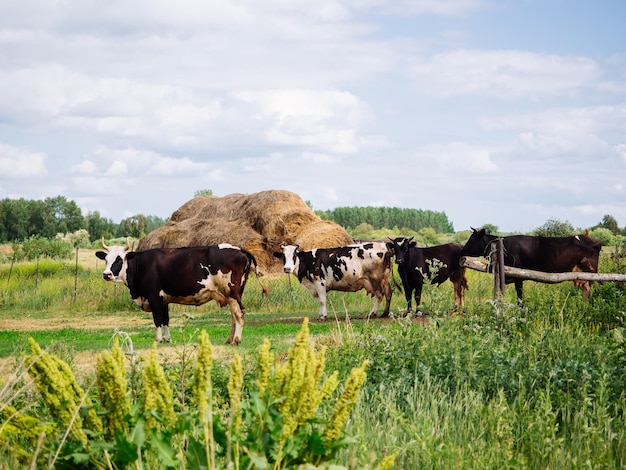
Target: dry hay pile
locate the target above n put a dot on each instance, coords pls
(258, 222)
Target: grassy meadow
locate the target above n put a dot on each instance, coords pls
(498, 386)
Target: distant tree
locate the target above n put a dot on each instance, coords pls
(555, 228)
(65, 215)
(388, 217)
(135, 226)
(609, 222)
(490, 228)
(203, 192)
(362, 231)
(153, 222)
(99, 227)
(14, 219)
(428, 236)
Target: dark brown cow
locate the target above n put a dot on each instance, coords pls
(547, 254)
(189, 276)
(346, 268)
(414, 262)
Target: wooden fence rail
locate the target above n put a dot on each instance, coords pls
(549, 278)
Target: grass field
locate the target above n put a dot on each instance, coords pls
(499, 386)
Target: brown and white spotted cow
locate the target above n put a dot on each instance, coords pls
(189, 276)
(346, 268)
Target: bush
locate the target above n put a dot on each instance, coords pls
(37, 247)
(285, 414)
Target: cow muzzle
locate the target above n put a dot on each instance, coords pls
(287, 270)
(107, 276)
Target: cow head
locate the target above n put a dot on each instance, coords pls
(289, 255)
(477, 243)
(115, 258)
(400, 247)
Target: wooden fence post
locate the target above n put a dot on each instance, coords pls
(496, 258)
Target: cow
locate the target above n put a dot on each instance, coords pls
(190, 276)
(548, 254)
(416, 262)
(347, 268)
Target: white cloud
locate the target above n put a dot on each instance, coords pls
(19, 162)
(328, 119)
(117, 168)
(506, 74)
(460, 157)
(86, 167)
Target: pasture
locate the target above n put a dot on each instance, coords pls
(499, 386)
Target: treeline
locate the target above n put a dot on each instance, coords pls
(21, 219)
(388, 217)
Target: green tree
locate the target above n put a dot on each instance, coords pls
(153, 222)
(555, 228)
(203, 192)
(609, 222)
(99, 227)
(135, 226)
(15, 219)
(65, 216)
(490, 228)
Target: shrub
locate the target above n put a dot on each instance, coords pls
(280, 418)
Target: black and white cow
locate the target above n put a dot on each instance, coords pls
(189, 276)
(346, 268)
(416, 262)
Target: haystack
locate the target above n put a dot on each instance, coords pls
(258, 222)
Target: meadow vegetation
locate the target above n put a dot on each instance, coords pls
(500, 386)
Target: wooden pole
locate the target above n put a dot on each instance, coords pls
(76, 275)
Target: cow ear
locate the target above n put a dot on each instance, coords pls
(101, 254)
(278, 254)
(130, 255)
(412, 244)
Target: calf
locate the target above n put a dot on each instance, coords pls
(414, 263)
(346, 268)
(547, 254)
(189, 276)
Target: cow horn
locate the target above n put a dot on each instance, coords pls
(127, 246)
(104, 245)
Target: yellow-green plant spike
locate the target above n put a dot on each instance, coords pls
(112, 388)
(157, 394)
(345, 403)
(63, 396)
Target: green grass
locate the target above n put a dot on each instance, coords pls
(501, 386)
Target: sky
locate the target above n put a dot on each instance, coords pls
(501, 112)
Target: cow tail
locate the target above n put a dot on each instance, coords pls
(256, 271)
(393, 277)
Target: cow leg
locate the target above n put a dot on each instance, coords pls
(387, 292)
(408, 295)
(236, 330)
(418, 294)
(519, 291)
(377, 299)
(321, 295)
(161, 318)
(459, 281)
